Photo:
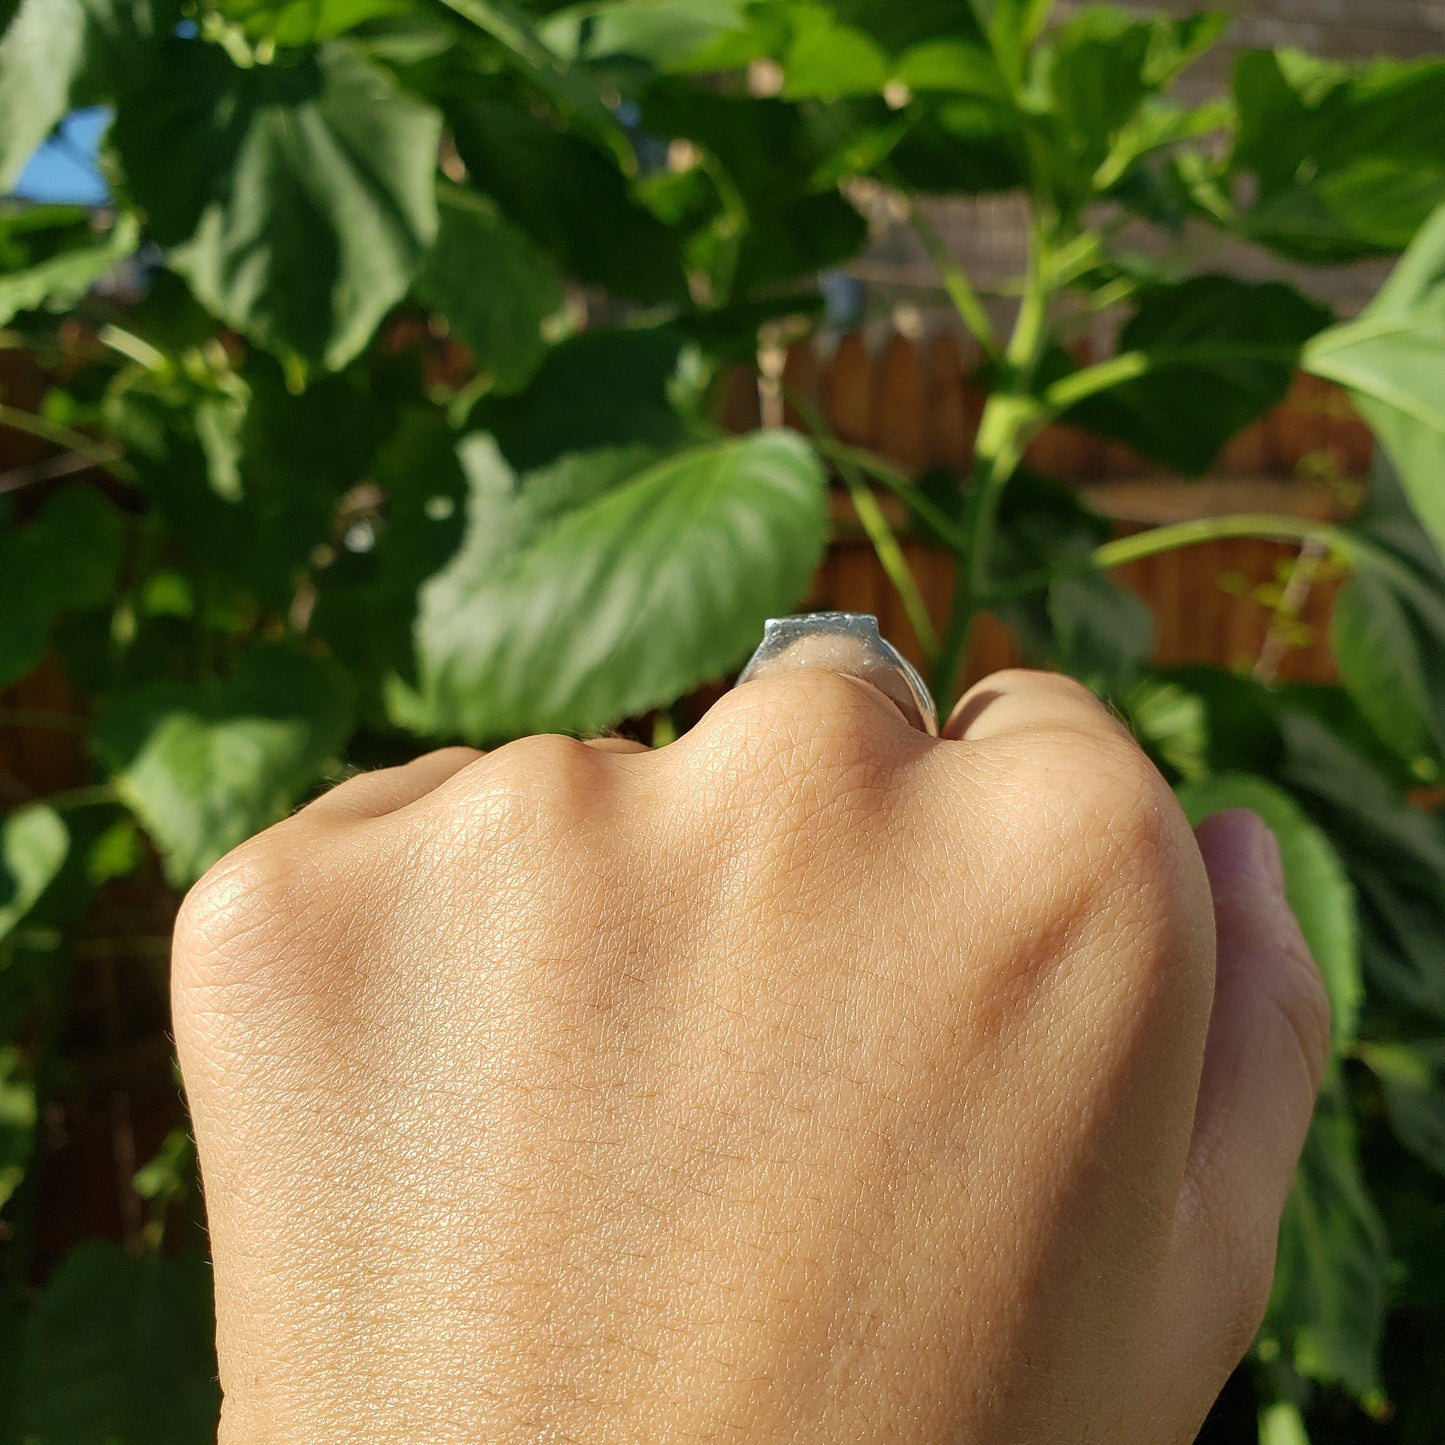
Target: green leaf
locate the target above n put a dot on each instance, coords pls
(570, 90)
(674, 35)
(1326, 1312)
(298, 201)
(50, 256)
(305, 22)
(785, 201)
(77, 525)
(1390, 360)
(492, 285)
(1208, 355)
(571, 197)
(1412, 1077)
(1081, 621)
(1345, 161)
(34, 844)
(1394, 854)
(1388, 630)
(205, 767)
(1012, 26)
(1315, 882)
(118, 1352)
(603, 587)
(17, 1123)
(43, 54)
(367, 599)
(827, 58)
(1195, 721)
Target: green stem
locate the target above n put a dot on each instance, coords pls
(1178, 535)
(890, 556)
(875, 524)
(892, 480)
(1213, 529)
(955, 280)
(1010, 418)
(1130, 365)
(107, 458)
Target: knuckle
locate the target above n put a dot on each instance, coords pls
(810, 722)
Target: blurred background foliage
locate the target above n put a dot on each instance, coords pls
(400, 425)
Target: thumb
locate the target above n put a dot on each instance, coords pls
(1265, 1058)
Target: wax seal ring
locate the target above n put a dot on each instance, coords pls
(850, 643)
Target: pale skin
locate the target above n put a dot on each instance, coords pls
(806, 1080)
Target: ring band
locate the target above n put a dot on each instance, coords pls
(848, 643)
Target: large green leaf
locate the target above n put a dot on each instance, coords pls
(1346, 161)
(1082, 622)
(1199, 360)
(298, 200)
(34, 844)
(65, 560)
(1318, 890)
(367, 599)
(17, 1123)
(1388, 630)
(603, 587)
(571, 196)
(1326, 1312)
(493, 286)
(50, 256)
(1392, 359)
(205, 767)
(787, 217)
(674, 35)
(304, 22)
(42, 56)
(1394, 854)
(571, 91)
(1091, 77)
(1412, 1077)
(118, 1352)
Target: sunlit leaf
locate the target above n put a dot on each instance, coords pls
(1318, 889)
(298, 200)
(50, 256)
(606, 586)
(79, 526)
(34, 843)
(1389, 358)
(206, 766)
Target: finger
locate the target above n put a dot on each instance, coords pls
(1019, 701)
(385, 790)
(1265, 1057)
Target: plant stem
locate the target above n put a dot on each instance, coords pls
(1010, 417)
(1178, 535)
(892, 480)
(98, 455)
(875, 524)
(890, 555)
(955, 280)
(1212, 529)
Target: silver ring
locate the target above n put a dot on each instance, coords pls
(849, 643)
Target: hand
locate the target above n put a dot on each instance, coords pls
(808, 1079)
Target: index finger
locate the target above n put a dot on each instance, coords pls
(1020, 700)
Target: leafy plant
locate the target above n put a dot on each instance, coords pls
(410, 436)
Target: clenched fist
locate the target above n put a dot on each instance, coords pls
(809, 1079)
